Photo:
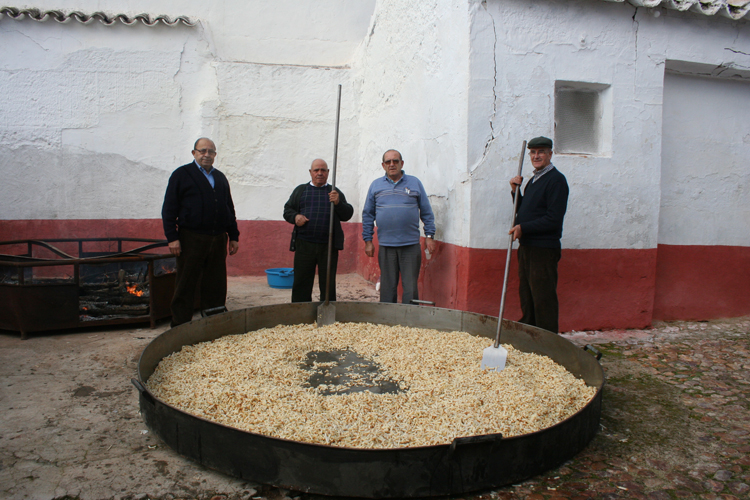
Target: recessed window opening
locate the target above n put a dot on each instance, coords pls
(582, 118)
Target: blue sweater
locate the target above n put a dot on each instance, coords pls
(397, 208)
(541, 210)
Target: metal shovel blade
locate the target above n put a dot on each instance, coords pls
(326, 314)
(493, 358)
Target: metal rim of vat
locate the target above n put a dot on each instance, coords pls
(471, 463)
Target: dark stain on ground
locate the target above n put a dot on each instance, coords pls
(161, 466)
(83, 391)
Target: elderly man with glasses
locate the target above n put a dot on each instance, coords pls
(397, 202)
(199, 219)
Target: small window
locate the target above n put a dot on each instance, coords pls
(583, 118)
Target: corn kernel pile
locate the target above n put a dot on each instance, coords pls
(255, 382)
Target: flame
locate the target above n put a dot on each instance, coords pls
(131, 289)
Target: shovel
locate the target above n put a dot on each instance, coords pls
(495, 356)
(327, 311)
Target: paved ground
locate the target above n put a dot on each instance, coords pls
(675, 418)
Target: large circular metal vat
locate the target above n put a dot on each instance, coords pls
(467, 464)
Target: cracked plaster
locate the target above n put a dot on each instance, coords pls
(138, 96)
(628, 54)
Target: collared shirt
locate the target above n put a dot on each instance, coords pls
(209, 175)
(395, 182)
(398, 207)
(539, 173)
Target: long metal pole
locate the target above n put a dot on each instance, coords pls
(510, 249)
(333, 186)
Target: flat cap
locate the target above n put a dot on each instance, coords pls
(540, 142)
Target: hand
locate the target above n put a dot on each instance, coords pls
(233, 247)
(516, 232)
(333, 196)
(515, 182)
(430, 245)
(174, 248)
(369, 249)
(300, 220)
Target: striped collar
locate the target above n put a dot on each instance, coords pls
(539, 173)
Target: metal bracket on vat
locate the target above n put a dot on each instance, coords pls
(594, 350)
(142, 389)
(422, 302)
(213, 310)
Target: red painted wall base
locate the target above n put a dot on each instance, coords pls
(702, 282)
(598, 289)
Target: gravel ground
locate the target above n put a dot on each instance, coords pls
(675, 417)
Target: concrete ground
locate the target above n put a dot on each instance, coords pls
(675, 417)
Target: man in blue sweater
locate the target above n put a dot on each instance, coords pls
(538, 226)
(198, 217)
(397, 202)
(309, 209)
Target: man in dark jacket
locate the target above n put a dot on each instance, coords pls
(309, 209)
(538, 226)
(198, 217)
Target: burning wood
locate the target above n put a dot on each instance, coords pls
(125, 295)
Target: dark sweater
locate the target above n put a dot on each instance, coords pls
(541, 210)
(191, 203)
(294, 206)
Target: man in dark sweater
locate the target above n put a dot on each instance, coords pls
(309, 209)
(538, 226)
(198, 217)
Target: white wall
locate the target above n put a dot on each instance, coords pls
(705, 174)
(411, 74)
(615, 197)
(96, 117)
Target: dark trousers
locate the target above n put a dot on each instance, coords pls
(405, 261)
(308, 256)
(203, 259)
(537, 272)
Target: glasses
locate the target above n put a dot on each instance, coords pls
(209, 152)
(388, 162)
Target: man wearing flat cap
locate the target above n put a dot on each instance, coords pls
(538, 227)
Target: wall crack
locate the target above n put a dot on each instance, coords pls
(494, 85)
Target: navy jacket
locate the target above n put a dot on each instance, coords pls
(541, 210)
(190, 203)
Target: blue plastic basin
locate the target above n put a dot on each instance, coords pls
(280, 277)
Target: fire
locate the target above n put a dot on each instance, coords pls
(131, 289)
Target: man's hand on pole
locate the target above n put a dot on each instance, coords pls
(333, 197)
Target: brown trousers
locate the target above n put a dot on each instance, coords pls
(202, 261)
(537, 272)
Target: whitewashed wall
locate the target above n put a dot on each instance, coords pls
(96, 117)
(705, 173)
(519, 49)
(411, 74)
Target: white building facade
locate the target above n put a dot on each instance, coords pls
(648, 103)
